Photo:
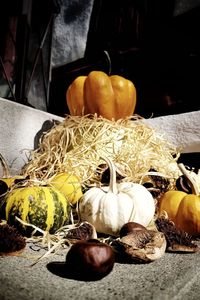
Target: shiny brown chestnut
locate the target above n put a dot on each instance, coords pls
(89, 260)
(129, 227)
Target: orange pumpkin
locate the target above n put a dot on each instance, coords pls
(112, 97)
(182, 208)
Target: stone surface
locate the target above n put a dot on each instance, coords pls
(181, 129)
(20, 127)
(174, 276)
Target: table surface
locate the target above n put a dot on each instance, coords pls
(173, 276)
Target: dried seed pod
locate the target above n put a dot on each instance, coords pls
(142, 246)
(159, 181)
(182, 184)
(89, 260)
(160, 184)
(177, 240)
(83, 231)
(11, 241)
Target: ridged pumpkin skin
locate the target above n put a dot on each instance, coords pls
(170, 202)
(108, 208)
(188, 214)
(183, 209)
(44, 207)
(74, 96)
(112, 97)
(108, 212)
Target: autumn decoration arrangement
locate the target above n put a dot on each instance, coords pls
(102, 185)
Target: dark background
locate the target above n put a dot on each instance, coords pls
(147, 42)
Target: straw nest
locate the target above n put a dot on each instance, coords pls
(77, 144)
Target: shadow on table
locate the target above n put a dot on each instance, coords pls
(60, 269)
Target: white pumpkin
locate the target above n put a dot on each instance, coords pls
(109, 208)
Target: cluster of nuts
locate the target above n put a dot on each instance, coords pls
(89, 259)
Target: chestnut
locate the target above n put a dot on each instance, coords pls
(89, 260)
(130, 227)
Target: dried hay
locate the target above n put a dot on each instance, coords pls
(77, 144)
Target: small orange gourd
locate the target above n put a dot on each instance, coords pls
(112, 97)
(183, 208)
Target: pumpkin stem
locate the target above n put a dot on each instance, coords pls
(6, 171)
(191, 179)
(109, 61)
(113, 181)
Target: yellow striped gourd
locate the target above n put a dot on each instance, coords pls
(42, 206)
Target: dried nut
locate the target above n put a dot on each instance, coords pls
(83, 231)
(143, 245)
(130, 227)
(89, 260)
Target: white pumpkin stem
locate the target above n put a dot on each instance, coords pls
(113, 180)
(191, 179)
